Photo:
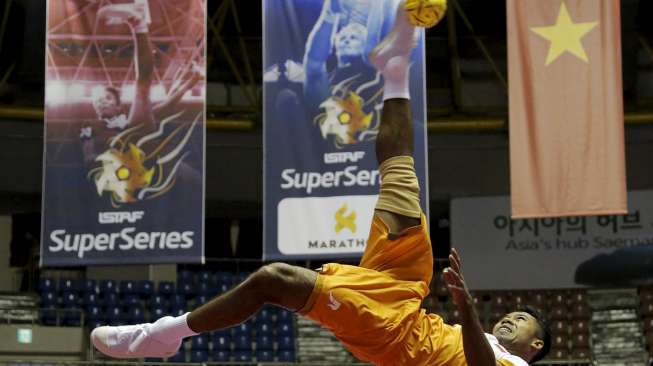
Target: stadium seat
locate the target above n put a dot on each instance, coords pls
(560, 341)
(158, 301)
(558, 298)
(242, 356)
(47, 284)
(286, 343)
(89, 286)
(206, 277)
(91, 299)
(49, 299)
(518, 300)
(537, 299)
(264, 356)
(136, 314)
(177, 311)
(166, 288)
(127, 288)
(157, 312)
(221, 341)
(580, 340)
(201, 300)
(185, 275)
(115, 316)
(94, 313)
(178, 300)
(187, 289)
(266, 314)
(179, 357)
(68, 285)
(263, 327)
(110, 299)
(200, 342)
(242, 342)
(284, 315)
(107, 286)
(559, 327)
(226, 278)
(559, 354)
(580, 311)
(200, 355)
(581, 354)
(286, 356)
(578, 297)
(285, 329)
(145, 288)
(558, 313)
(243, 328)
(206, 289)
(221, 355)
(70, 299)
(579, 326)
(264, 342)
(131, 300)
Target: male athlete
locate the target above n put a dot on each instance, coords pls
(107, 100)
(374, 309)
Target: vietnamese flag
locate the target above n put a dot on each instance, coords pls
(566, 108)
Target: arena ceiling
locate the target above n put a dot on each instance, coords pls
(465, 53)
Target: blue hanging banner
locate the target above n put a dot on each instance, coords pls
(123, 176)
(322, 109)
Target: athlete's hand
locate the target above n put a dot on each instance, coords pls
(453, 277)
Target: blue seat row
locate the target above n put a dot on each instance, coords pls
(198, 356)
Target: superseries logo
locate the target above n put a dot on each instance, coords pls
(349, 176)
(126, 239)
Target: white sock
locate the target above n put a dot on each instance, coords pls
(396, 78)
(171, 329)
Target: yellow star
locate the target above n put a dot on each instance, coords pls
(565, 35)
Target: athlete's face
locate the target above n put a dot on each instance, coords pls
(350, 41)
(518, 331)
(105, 104)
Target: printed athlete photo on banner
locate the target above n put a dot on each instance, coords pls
(125, 96)
(323, 101)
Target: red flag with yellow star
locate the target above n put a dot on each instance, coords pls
(566, 108)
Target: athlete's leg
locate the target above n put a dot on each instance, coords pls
(395, 138)
(277, 283)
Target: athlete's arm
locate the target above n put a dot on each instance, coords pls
(318, 50)
(141, 109)
(478, 351)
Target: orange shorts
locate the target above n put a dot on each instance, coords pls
(371, 308)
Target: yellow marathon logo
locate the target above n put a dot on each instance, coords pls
(345, 221)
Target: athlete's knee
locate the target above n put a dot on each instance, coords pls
(283, 284)
(273, 277)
